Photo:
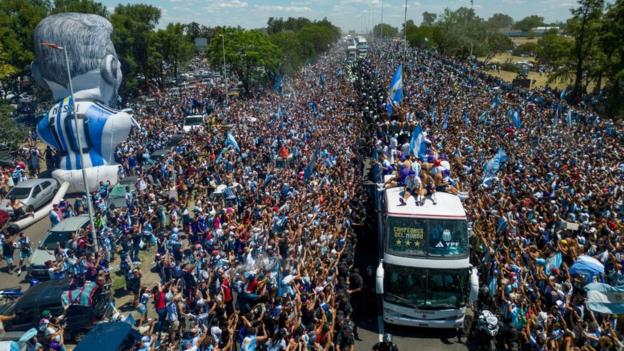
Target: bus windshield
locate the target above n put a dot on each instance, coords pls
(425, 288)
(427, 237)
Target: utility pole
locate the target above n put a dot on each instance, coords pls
(78, 139)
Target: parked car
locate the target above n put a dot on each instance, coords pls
(33, 193)
(47, 296)
(117, 195)
(109, 336)
(60, 233)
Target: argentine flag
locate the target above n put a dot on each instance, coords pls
(395, 93)
(515, 118)
(418, 145)
(604, 298)
(231, 141)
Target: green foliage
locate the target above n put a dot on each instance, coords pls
(11, 134)
(276, 25)
(6, 70)
(384, 30)
(529, 22)
(133, 27)
(611, 41)
(553, 49)
(584, 26)
(250, 54)
(428, 19)
(195, 30)
(499, 21)
(422, 37)
(526, 49)
(18, 19)
(300, 40)
(292, 50)
(82, 6)
(169, 48)
(462, 33)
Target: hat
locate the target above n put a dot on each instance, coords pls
(45, 314)
(436, 163)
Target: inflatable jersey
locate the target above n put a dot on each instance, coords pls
(95, 76)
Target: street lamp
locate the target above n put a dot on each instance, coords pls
(227, 103)
(73, 109)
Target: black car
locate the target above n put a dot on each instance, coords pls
(47, 296)
(109, 336)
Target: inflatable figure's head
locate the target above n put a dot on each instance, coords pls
(94, 67)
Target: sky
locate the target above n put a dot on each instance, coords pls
(358, 15)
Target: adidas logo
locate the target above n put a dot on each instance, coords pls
(439, 244)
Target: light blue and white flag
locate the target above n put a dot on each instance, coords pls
(232, 142)
(491, 167)
(395, 92)
(418, 145)
(515, 118)
(495, 101)
(569, 118)
(604, 298)
(445, 120)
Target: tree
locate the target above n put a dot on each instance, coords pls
(18, 19)
(408, 26)
(6, 70)
(611, 40)
(526, 49)
(248, 53)
(500, 21)
(173, 47)
(82, 6)
(422, 37)
(428, 18)
(11, 134)
(497, 42)
(383, 30)
(553, 49)
(292, 52)
(462, 33)
(584, 26)
(133, 27)
(529, 22)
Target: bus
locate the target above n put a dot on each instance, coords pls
(361, 46)
(424, 277)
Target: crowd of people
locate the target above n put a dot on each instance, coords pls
(543, 186)
(250, 218)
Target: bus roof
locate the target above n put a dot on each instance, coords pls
(448, 206)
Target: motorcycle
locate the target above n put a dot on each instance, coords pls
(486, 330)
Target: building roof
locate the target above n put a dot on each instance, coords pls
(448, 206)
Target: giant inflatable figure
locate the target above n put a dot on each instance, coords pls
(96, 76)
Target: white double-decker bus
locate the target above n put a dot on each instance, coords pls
(424, 277)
